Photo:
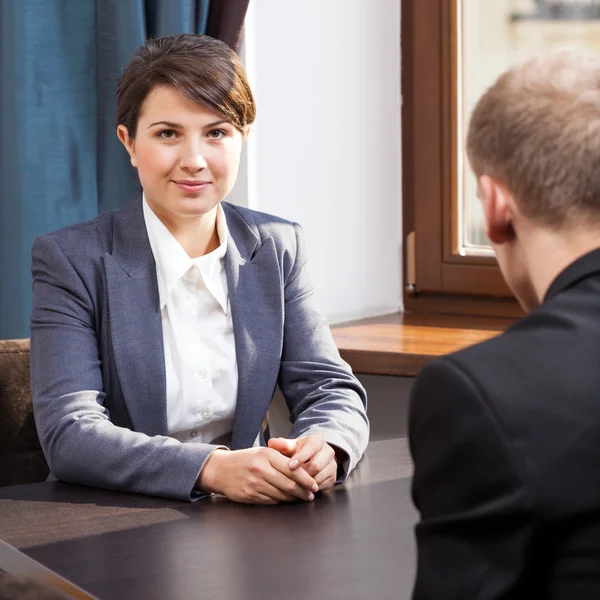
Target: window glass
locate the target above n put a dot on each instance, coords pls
(490, 36)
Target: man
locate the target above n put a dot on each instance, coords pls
(505, 435)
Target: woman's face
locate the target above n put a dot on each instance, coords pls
(187, 157)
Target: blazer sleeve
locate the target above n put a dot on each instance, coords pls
(475, 523)
(79, 441)
(322, 394)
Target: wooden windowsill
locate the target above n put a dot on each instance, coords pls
(401, 343)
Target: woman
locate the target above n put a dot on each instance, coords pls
(160, 331)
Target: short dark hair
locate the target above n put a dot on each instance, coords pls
(203, 69)
(537, 129)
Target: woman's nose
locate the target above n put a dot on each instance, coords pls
(193, 158)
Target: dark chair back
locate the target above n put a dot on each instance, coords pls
(21, 457)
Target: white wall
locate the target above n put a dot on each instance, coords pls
(325, 149)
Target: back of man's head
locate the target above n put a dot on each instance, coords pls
(537, 130)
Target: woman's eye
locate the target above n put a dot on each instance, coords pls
(167, 134)
(217, 134)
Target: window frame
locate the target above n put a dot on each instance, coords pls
(444, 281)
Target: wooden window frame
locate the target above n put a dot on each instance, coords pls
(444, 281)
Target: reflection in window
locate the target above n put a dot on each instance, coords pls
(492, 35)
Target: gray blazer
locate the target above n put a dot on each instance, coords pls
(97, 363)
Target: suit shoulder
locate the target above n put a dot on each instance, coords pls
(260, 222)
(518, 370)
(499, 358)
(519, 344)
(264, 226)
(81, 239)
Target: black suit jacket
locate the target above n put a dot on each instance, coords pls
(505, 438)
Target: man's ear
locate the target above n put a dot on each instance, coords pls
(128, 142)
(497, 207)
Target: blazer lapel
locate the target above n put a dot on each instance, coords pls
(136, 328)
(255, 295)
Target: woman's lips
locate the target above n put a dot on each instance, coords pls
(191, 187)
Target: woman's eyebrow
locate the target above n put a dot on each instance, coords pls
(167, 124)
(219, 122)
(179, 126)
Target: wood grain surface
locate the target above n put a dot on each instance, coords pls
(401, 343)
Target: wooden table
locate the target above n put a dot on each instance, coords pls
(354, 542)
(401, 343)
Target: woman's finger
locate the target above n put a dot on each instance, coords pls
(329, 472)
(257, 498)
(279, 487)
(287, 480)
(285, 446)
(328, 483)
(320, 460)
(307, 447)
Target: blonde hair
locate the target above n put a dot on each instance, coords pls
(537, 130)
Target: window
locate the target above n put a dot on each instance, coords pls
(452, 50)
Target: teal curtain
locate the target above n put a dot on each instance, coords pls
(60, 160)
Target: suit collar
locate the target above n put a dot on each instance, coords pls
(582, 268)
(244, 237)
(131, 245)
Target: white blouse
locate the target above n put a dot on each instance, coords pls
(199, 345)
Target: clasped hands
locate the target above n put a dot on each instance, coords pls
(287, 470)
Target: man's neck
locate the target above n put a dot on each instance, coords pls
(548, 253)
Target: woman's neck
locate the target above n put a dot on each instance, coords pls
(197, 241)
(197, 235)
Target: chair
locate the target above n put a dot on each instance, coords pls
(21, 456)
